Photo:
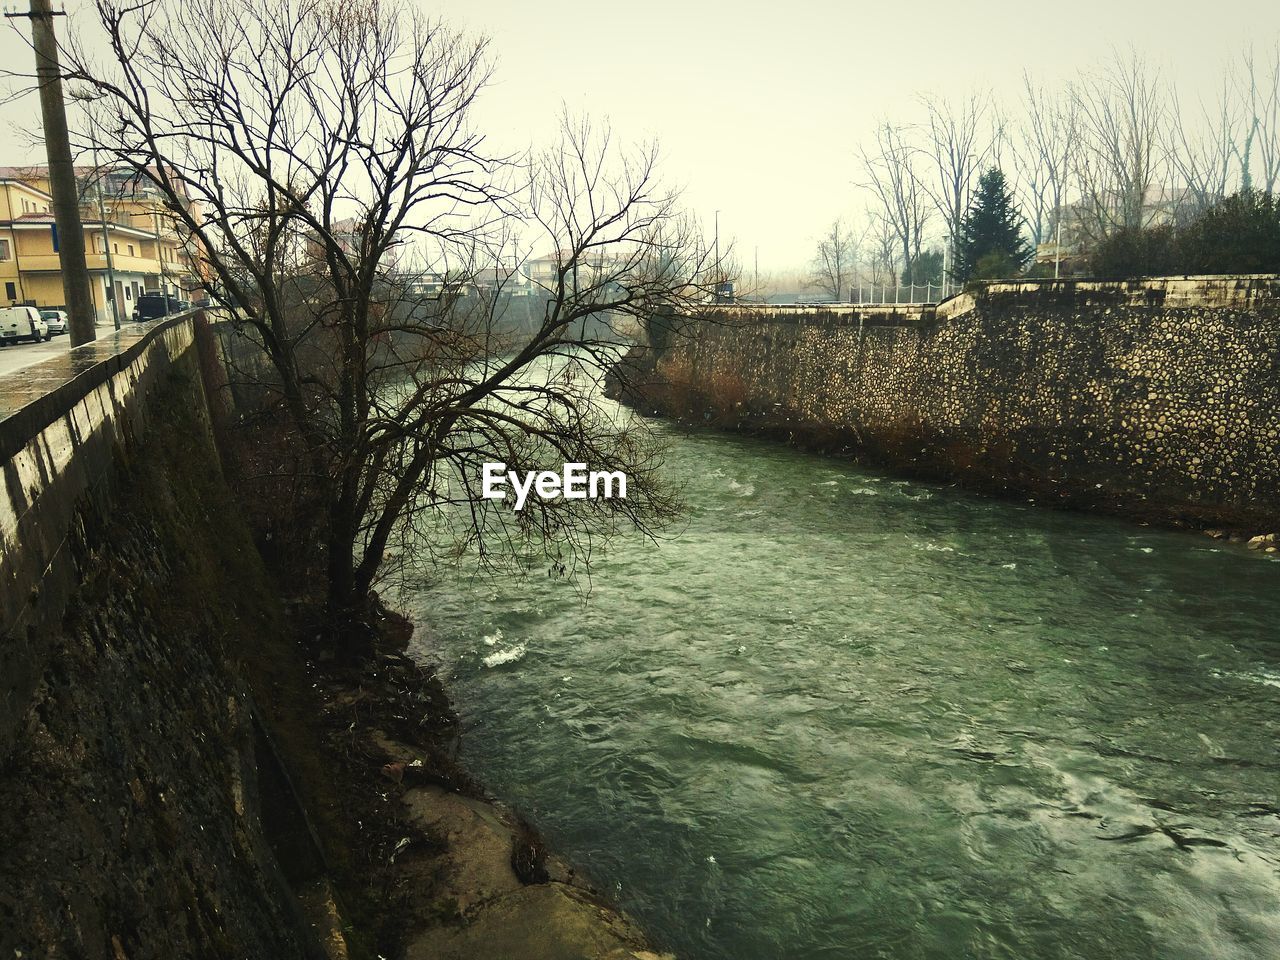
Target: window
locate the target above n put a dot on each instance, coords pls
(4, 249)
(131, 249)
(128, 293)
(115, 248)
(11, 290)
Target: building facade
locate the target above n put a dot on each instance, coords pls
(147, 252)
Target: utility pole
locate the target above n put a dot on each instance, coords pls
(716, 297)
(1057, 244)
(62, 175)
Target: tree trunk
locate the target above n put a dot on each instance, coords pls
(347, 605)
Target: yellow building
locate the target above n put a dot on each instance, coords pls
(147, 253)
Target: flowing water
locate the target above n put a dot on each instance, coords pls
(840, 714)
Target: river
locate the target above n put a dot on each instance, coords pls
(839, 714)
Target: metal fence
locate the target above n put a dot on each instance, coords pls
(902, 293)
(906, 294)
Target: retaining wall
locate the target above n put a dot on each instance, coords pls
(135, 776)
(1156, 398)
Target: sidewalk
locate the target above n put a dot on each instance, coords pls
(30, 370)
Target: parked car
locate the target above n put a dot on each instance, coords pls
(57, 321)
(152, 305)
(22, 323)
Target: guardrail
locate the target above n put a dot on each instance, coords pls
(882, 295)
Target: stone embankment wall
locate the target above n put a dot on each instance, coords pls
(131, 767)
(1155, 398)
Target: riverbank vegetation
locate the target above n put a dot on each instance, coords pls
(1239, 234)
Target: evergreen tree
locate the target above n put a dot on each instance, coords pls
(991, 243)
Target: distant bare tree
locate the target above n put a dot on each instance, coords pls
(1122, 109)
(884, 257)
(903, 204)
(835, 261)
(1203, 146)
(960, 139)
(1041, 146)
(1261, 93)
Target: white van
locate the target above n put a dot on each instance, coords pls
(22, 323)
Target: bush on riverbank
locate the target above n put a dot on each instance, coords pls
(1239, 234)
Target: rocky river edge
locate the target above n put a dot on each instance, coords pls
(395, 848)
(458, 874)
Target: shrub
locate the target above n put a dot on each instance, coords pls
(1136, 252)
(996, 265)
(1241, 234)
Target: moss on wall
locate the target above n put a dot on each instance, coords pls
(131, 825)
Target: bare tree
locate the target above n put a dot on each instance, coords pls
(960, 140)
(1261, 93)
(301, 144)
(884, 258)
(1120, 161)
(835, 261)
(1042, 145)
(1203, 146)
(902, 201)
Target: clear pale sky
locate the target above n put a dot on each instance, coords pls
(759, 106)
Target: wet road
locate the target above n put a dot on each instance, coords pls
(16, 356)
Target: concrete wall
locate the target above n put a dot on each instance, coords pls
(64, 425)
(131, 755)
(1156, 398)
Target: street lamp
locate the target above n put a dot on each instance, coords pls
(1057, 243)
(716, 291)
(86, 97)
(164, 274)
(946, 252)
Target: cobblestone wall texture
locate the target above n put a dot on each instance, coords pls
(1152, 397)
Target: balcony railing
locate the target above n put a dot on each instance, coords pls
(97, 261)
